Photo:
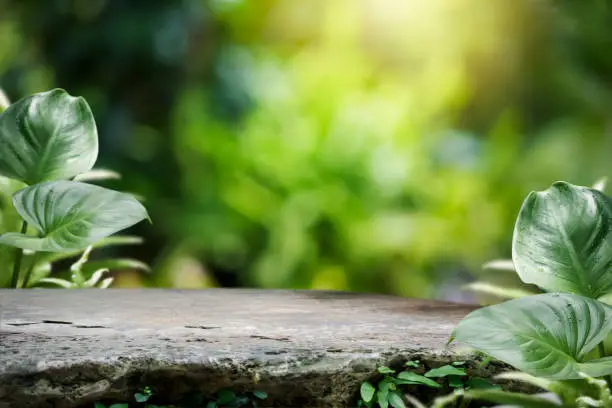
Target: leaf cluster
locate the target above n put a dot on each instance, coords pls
(49, 145)
(391, 390)
(562, 244)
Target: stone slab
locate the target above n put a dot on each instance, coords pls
(64, 348)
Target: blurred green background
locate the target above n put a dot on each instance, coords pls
(365, 145)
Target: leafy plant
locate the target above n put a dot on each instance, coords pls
(507, 265)
(51, 142)
(389, 391)
(562, 243)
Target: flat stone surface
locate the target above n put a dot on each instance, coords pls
(63, 348)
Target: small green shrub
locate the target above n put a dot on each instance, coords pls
(391, 391)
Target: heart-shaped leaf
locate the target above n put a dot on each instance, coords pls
(408, 377)
(47, 136)
(546, 335)
(563, 240)
(71, 215)
(367, 391)
(396, 400)
(445, 371)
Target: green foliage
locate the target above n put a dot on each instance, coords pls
(561, 243)
(52, 135)
(563, 240)
(143, 396)
(71, 215)
(47, 136)
(319, 149)
(391, 391)
(546, 335)
(445, 371)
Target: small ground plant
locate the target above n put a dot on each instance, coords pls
(396, 390)
(562, 244)
(49, 145)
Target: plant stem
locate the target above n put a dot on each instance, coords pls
(28, 275)
(602, 353)
(18, 258)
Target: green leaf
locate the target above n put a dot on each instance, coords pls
(412, 363)
(383, 398)
(367, 391)
(385, 370)
(544, 335)
(211, 404)
(262, 395)
(141, 397)
(71, 215)
(226, 397)
(396, 401)
(99, 405)
(386, 384)
(417, 379)
(563, 240)
(445, 371)
(47, 136)
(120, 406)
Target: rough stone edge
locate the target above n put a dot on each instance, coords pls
(315, 381)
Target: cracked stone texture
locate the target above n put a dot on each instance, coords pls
(66, 348)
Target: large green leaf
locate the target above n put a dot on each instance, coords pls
(546, 335)
(563, 240)
(72, 215)
(47, 136)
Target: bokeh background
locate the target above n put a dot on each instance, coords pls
(364, 145)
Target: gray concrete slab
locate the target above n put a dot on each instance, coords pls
(62, 348)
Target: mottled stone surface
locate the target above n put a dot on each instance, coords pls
(63, 348)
